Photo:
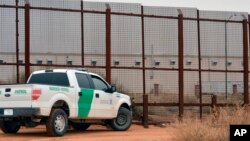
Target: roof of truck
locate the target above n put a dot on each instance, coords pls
(82, 70)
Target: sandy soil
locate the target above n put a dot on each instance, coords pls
(94, 133)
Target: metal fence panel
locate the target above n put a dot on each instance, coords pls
(71, 34)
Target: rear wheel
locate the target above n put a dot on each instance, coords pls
(10, 127)
(57, 123)
(123, 120)
(80, 126)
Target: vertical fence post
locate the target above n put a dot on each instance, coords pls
(108, 44)
(214, 103)
(181, 68)
(248, 45)
(27, 40)
(145, 111)
(82, 35)
(17, 44)
(245, 57)
(199, 55)
(145, 98)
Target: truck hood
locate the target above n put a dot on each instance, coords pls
(122, 95)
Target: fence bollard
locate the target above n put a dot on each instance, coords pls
(214, 103)
(235, 91)
(145, 111)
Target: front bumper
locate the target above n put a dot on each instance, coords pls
(18, 112)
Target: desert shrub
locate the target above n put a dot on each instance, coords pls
(213, 127)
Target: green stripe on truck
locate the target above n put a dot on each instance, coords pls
(84, 102)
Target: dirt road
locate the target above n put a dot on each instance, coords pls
(94, 133)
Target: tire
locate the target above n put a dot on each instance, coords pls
(123, 120)
(57, 123)
(80, 126)
(10, 127)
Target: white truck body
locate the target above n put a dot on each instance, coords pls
(86, 96)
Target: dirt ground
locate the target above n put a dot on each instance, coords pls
(94, 133)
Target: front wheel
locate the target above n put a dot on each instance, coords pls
(57, 123)
(123, 120)
(10, 127)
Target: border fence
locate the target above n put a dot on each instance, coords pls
(187, 40)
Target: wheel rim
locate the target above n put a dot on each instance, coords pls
(60, 123)
(121, 119)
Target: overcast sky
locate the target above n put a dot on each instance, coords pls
(217, 5)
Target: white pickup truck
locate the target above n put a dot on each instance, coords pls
(63, 97)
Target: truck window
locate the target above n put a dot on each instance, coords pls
(99, 83)
(52, 78)
(82, 80)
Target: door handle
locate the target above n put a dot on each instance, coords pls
(80, 94)
(97, 95)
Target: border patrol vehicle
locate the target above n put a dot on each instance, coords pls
(62, 97)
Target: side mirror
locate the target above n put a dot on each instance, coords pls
(113, 89)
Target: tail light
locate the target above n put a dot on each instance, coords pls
(36, 93)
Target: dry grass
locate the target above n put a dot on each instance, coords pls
(215, 127)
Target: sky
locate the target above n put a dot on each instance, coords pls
(216, 5)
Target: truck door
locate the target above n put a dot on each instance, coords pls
(103, 100)
(85, 100)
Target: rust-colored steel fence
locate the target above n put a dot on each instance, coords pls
(172, 61)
